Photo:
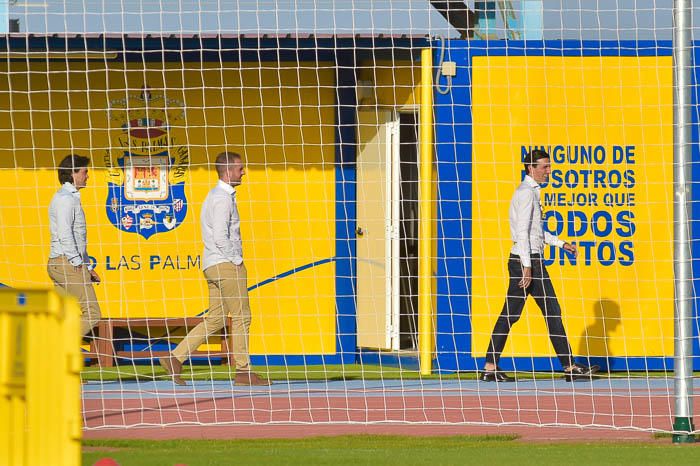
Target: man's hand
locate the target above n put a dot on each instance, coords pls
(94, 277)
(527, 277)
(571, 248)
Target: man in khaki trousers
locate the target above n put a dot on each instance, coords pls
(226, 276)
(69, 265)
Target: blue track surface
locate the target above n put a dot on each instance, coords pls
(607, 387)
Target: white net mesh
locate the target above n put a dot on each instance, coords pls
(351, 318)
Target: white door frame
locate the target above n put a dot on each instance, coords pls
(392, 216)
(394, 232)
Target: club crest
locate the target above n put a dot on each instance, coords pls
(146, 164)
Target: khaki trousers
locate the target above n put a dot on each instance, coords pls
(76, 283)
(228, 295)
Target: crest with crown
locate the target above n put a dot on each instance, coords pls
(146, 165)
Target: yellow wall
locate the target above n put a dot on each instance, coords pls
(395, 83)
(279, 116)
(625, 308)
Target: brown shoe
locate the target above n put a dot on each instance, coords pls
(173, 368)
(250, 378)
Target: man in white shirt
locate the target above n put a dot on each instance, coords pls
(528, 275)
(69, 265)
(226, 276)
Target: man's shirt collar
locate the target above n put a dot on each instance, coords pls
(70, 188)
(226, 187)
(530, 181)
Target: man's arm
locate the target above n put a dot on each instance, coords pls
(94, 277)
(523, 205)
(65, 218)
(553, 239)
(220, 212)
(571, 248)
(86, 257)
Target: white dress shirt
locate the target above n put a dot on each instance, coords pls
(526, 222)
(221, 227)
(68, 227)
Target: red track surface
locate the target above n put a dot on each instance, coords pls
(577, 417)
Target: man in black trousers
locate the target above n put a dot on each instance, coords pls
(528, 275)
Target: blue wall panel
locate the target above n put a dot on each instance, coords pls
(453, 134)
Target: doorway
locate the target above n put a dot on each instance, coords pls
(408, 231)
(387, 230)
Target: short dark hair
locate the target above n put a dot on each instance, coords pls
(224, 159)
(533, 156)
(71, 164)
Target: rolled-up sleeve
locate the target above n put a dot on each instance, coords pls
(553, 240)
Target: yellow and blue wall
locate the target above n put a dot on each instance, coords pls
(604, 110)
(289, 106)
(277, 101)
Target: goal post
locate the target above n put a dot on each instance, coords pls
(683, 363)
(425, 265)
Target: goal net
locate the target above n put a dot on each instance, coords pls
(382, 144)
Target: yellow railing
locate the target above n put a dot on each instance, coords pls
(40, 363)
(425, 215)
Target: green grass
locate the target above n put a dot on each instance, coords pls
(386, 450)
(217, 372)
(317, 372)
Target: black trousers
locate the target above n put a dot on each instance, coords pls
(542, 290)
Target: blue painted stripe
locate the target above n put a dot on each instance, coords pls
(462, 362)
(291, 272)
(346, 205)
(163, 340)
(282, 275)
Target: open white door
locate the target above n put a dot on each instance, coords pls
(377, 230)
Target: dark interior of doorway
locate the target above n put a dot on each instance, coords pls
(408, 230)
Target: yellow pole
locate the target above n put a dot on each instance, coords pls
(425, 296)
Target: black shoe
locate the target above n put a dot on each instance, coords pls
(496, 375)
(579, 372)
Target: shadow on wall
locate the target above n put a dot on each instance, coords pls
(593, 347)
